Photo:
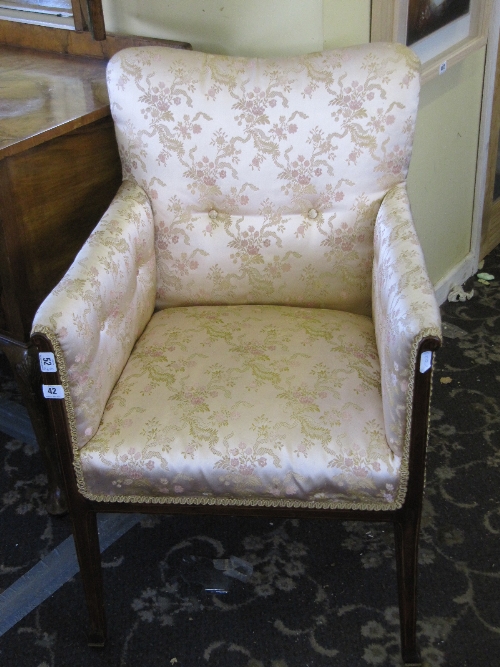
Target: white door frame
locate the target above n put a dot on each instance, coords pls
(468, 266)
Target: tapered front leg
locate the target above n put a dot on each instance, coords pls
(89, 558)
(407, 536)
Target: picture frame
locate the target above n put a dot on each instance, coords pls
(441, 32)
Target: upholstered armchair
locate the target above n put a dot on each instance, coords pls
(250, 328)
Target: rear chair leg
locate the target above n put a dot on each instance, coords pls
(407, 535)
(89, 558)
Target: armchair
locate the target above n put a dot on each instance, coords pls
(250, 328)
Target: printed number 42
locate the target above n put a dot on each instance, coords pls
(53, 391)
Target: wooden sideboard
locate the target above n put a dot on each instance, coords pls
(59, 170)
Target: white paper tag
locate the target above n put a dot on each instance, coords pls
(47, 362)
(53, 391)
(425, 361)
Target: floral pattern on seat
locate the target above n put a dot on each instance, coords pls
(247, 403)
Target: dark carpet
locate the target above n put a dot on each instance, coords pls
(322, 594)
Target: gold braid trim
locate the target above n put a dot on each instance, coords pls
(246, 502)
(68, 402)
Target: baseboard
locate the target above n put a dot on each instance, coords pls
(456, 276)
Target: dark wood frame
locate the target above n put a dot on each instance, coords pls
(414, 8)
(406, 520)
(96, 20)
(87, 16)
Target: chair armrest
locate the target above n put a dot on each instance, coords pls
(96, 313)
(405, 310)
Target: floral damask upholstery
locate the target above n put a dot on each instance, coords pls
(261, 402)
(256, 199)
(242, 326)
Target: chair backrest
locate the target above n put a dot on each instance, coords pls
(265, 175)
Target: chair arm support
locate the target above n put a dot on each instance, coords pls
(404, 310)
(96, 313)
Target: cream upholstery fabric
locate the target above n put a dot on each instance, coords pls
(404, 308)
(247, 402)
(264, 215)
(265, 176)
(103, 304)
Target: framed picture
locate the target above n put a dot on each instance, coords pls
(441, 32)
(427, 16)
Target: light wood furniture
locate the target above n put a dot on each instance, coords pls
(59, 169)
(75, 43)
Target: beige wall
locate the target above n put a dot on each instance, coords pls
(345, 22)
(245, 27)
(442, 175)
(236, 27)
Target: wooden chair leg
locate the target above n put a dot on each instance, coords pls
(407, 535)
(89, 558)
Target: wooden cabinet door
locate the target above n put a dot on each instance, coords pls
(51, 197)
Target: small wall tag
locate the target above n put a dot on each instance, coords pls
(47, 362)
(53, 391)
(425, 361)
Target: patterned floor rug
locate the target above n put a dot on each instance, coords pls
(322, 594)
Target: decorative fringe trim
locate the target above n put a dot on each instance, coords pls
(70, 412)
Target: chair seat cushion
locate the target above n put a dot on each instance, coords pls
(258, 405)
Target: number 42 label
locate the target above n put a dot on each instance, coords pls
(53, 391)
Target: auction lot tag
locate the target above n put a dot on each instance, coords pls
(425, 361)
(47, 362)
(53, 391)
